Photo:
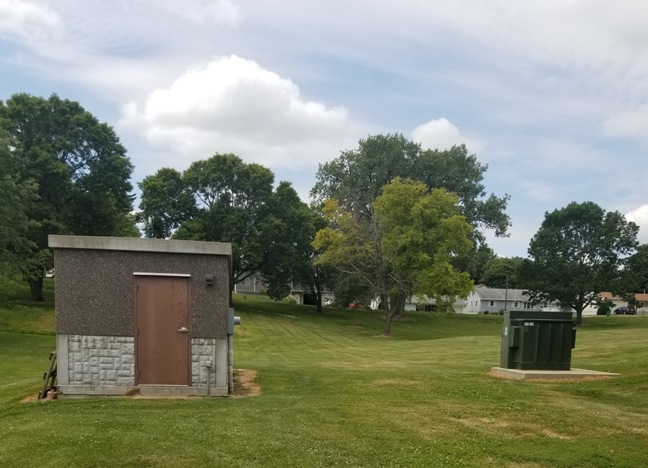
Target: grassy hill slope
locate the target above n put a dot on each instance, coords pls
(335, 393)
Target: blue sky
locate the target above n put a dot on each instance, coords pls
(552, 95)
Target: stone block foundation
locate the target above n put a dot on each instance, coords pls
(105, 365)
(101, 360)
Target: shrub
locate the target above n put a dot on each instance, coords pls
(7, 290)
(605, 306)
(290, 300)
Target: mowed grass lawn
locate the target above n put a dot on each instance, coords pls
(334, 393)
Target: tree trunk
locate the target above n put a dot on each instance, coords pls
(401, 306)
(396, 305)
(36, 287)
(579, 316)
(319, 309)
(388, 320)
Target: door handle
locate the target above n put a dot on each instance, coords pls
(183, 330)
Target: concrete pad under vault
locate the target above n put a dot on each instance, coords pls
(572, 374)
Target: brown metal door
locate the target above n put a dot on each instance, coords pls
(162, 320)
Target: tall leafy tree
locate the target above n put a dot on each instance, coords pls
(318, 277)
(357, 177)
(287, 230)
(224, 199)
(475, 261)
(15, 194)
(80, 171)
(634, 277)
(578, 252)
(166, 202)
(636, 271)
(405, 246)
(230, 198)
(503, 272)
(457, 171)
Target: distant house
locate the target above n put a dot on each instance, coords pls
(485, 300)
(641, 298)
(252, 284)
(424, 304)
(255, 284)
(427, 304)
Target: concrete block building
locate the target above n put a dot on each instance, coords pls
(142, 315)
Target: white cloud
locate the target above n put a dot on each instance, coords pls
(632, 124)
(234, 105)
(441, 134)
(542, 81)
(28, 20)
(640, 217)
(565, 154)
(204, 12)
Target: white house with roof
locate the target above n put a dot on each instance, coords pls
(424, 304)
(255, 284)
(428, 304)
(640, 298)
(485, 300)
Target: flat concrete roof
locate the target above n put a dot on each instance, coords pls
(136, 244)
(573, 374)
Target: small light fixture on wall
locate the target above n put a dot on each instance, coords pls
(209, 279)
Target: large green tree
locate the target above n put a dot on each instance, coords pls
(502, 272)
(636, 271)
(224, 199)
(358, 176)
(230, 198)
(287, 231)
(80, 172)
(475, 262)
(404, 247)
(15, 194)
(578, 252)
(634, 276)
(166, 203)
